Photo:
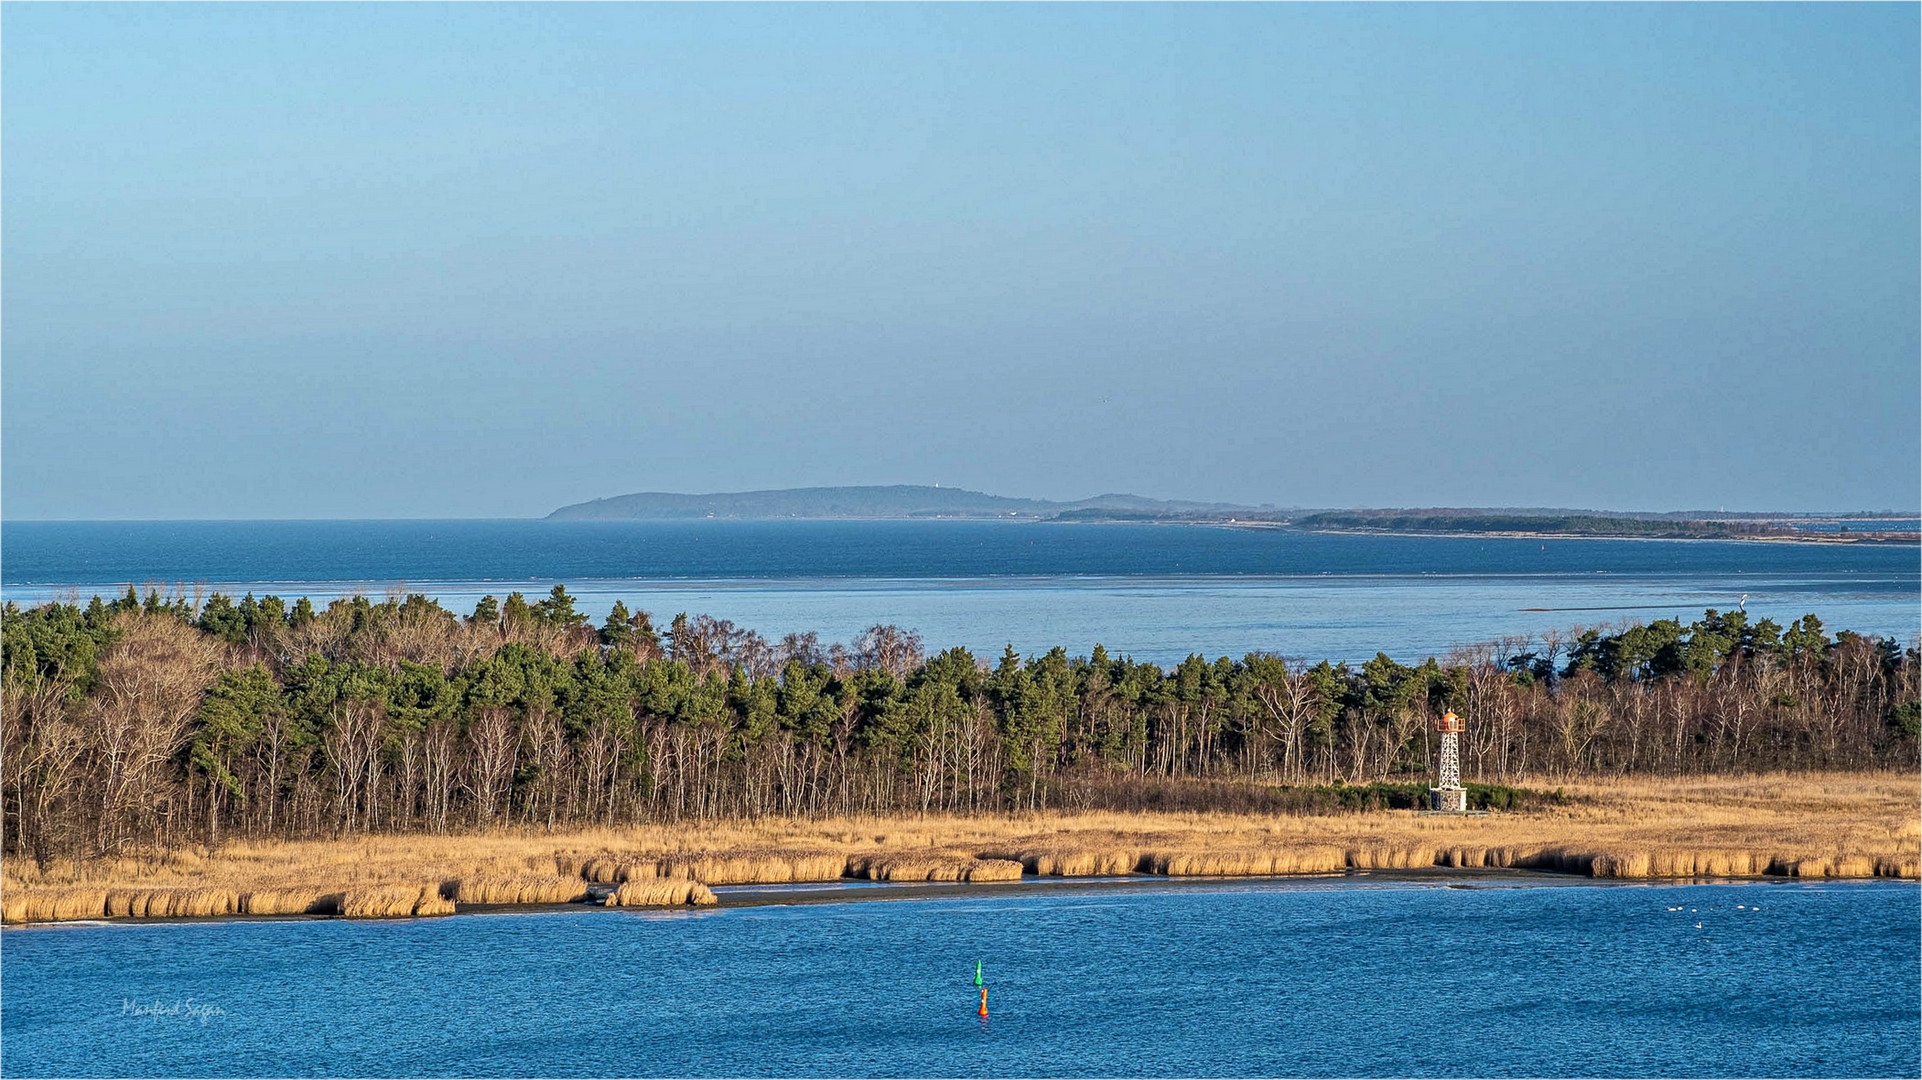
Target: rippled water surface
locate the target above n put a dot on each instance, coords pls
(1354, 976)
(1153, 592)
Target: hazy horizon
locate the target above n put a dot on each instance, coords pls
(1759, 511)
(273, 262)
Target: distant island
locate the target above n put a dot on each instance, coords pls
(891, 501)
(927, 502)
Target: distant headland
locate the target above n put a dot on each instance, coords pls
(890, 501)
(928, 502)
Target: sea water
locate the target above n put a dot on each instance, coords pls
(1465, 975)
(1154, 592)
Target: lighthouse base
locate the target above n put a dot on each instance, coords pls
(1448, 800)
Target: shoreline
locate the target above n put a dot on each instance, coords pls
(816, 894)
(1777, 827)
(854, 890)
(1877, 541)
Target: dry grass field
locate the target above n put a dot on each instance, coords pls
(1823, 825)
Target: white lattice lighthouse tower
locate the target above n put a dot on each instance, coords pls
(1448, 793)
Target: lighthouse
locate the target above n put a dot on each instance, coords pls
(1448, 795)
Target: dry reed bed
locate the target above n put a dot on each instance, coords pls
(1072, 862)
(290, 902)
(395, 901)
(661, 892)
(1231, 862)
(544, 889)
(774, 866)
(938, 867)
(787, 866)
(1821, 825)
(55, 904)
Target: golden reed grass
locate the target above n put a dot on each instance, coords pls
(289, 902)
(1072, 862)
(52, 905)
(1800, 825)
(395, 901)
(782, 867)
(544, 889)
(712, 868)
(933, 868)
(661, 892)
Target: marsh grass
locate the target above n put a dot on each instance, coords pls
(752, 867)
(933, 867)
(394, 902)
(543, 889)
(661, 892)
(1805, 825)
(1065, 861)
(289, 902)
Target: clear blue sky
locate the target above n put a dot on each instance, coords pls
(446, 260)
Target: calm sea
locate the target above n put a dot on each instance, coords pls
(1156, 592)
(1323, 978)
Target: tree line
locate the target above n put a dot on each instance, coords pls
(1468, 521)
(145, 722)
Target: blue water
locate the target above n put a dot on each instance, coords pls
(107, 553)
(1323, 978)
(1153, 592)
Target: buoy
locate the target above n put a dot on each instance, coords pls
(984, 1001)
(977, 974)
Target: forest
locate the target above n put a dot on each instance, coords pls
(149, 722)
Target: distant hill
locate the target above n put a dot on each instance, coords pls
(921, 502)
(890, 501)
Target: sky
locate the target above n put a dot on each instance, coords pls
(323, 261)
